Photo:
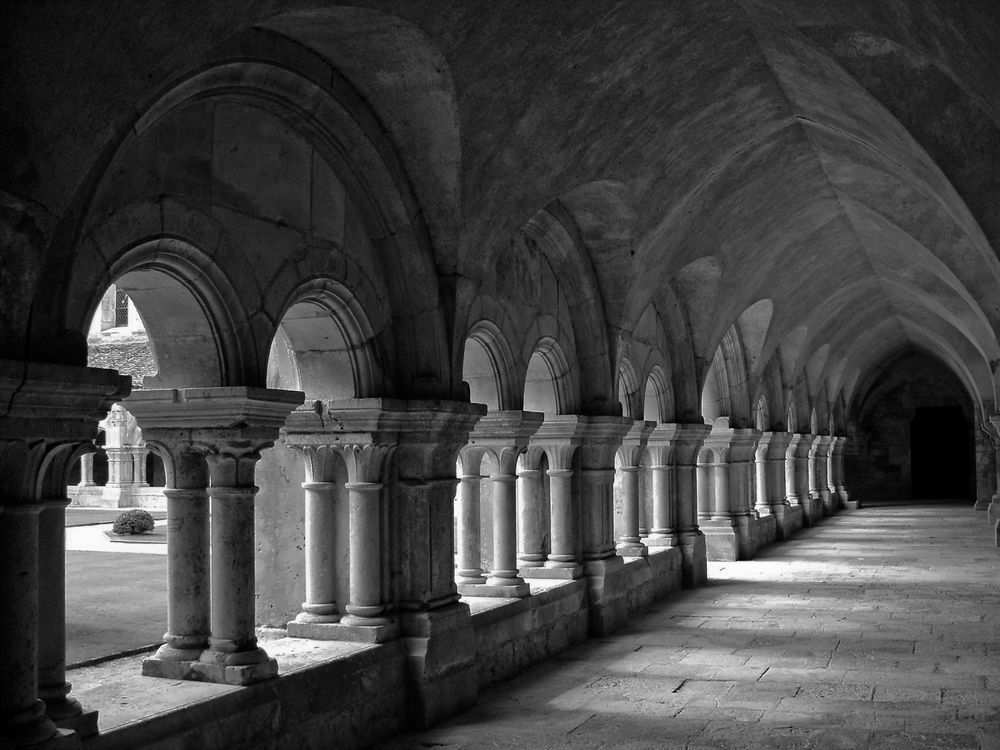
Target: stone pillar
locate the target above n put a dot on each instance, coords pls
(804, 478)
(993, 510)
(320, 490)
(659, 454)
(229, 426)
(188, 585)
(504, 435)
(791, 472)
(469, 532)
(729, 531)
(688, 440)
(633, 446)
(532, 515)
(367, 605)
(773, 449)
(835, 473)
(53, 689)
(87, 470)
(820, 461)
(139, 467)
(49, 412)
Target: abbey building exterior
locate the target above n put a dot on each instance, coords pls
(474, 328)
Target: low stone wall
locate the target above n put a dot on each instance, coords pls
(513, 634)
(349, 702)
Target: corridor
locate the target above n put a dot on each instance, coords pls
(878, 628)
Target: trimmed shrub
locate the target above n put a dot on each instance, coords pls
(133, 522)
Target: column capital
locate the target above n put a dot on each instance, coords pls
(684, 439)
(774, 445)
(734, 444)
(505, 435)
(634, 442)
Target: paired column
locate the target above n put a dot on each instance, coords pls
(228, 427)
(772, 481)
(468, 539)
(820, 457)
(659, 456)
(688, 440)
(503, 436)
(629, 503)
(837, 485)
(804, 478)
(532, 513)
(50, 412)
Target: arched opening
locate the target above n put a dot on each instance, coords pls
(545, 380)
(321, 346)
(941, 467)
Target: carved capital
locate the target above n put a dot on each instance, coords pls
(366, 462)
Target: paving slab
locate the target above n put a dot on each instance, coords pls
(875, 629)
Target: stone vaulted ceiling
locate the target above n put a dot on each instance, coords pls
(839, 159)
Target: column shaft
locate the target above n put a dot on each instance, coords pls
(505, 572)
(663, 530)
(469, 536)
(21, 711)
(87, 470)
(366, 605)
(564, 522)
(531, 519)
(629, 543)
(321, 567)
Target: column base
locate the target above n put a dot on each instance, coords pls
(240, 674)
(84, 724)
(516, 591)
(562, 574)
(341, 631)
(721, 540)
(694, 559)
(632, 549)
(170, 669)
(441, 650)
(666, 540)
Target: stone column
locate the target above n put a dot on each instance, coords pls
(659, 454)
(820, 461)
(791, 475)
(229, 426)
(188, 541)
(839, 483)
(729, 531)
(532, 514)
(49, 412)
(53, 689)
(630, 454)
(366, 608)
(469, 532)
(773, 448)
(139, 467)
(993, 509)
(688, 440)
(804, 478)
(87, 470)
(504, 435)
(320, 491)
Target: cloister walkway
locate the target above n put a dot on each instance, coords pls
(878, 628)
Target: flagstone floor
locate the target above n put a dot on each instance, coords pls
(878, 628)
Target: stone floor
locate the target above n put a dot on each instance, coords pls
(879, 628)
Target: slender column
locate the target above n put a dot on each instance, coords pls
(763, 479)
(837, 472)
(821, 453)
(469, 537)
(704, 488)
(87, 470)
(645, 507)
(49, 412)
(630, 454)
(803, 477)
(52, 686)
(505, 572)
(531, 518)
(791, 477)
(139, 467)
(721, 506)
(23, 713)
(366, 605)
(629, 543)
(188, 539)
(688, 440)
(564, 521)
(321, 570)
(664, 529)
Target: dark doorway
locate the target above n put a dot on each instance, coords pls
(939, 451)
